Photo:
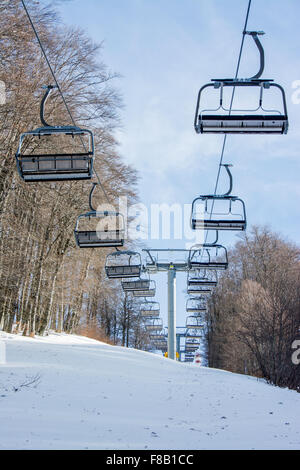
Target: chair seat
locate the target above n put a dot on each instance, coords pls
(55, 167)
(149, 313)
(200, 283)
(261, 124)
(219, 224)
(144, 293)
(208, 265)
(93, 239)
(142, 285)
(119, 272)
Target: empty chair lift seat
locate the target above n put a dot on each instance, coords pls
(149, 291)
(196, 305)
(123, 264)
(218, 213)
(194, 323)
(199, 290)
(210, 256)
(55, 153)
(155, 324)
(201, 282)
(243, 124)
(254, 121)
(150, 309)
(89, 235)
(138, 285)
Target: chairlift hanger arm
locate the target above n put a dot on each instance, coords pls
(254, 35)
(49, 88)
(217, 238)
(227, 165)
(91, 197)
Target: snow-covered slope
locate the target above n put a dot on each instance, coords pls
(70, 392)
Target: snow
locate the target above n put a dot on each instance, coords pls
(70, 392)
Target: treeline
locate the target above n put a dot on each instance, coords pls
(254, 314)
(46, 281)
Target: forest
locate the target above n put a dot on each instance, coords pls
(46, 281)
(254, 312)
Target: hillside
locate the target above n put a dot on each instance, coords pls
(71, 392)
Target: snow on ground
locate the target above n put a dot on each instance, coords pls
(88, 395)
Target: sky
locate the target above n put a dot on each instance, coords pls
(164, 51)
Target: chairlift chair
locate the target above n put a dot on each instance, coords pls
(188, 354)
(162, 345)
(199, 290)
(208, 256)
(150, 309)
(236, 121)
(191, 348)
(157, 336)
(219, 212)
(159, 344)
(198, 278)
(154, 324)
(191, 345)
(195, 323)
(189, 358)
(196, 305)
(123, 264)
(136, 285)
(145, 292)
(193, 334)
(36, 163)
(99, 229)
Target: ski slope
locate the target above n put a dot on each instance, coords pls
(71, 392)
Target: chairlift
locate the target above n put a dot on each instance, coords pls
(196, 305)
(198, 278)
(158, 343)
(208, 256)
(37, 156)
(146, 292)
(191, 348)
(161, 345)
(157, 336)
(219, 212)
(193, 334)
(142, 285)
(102, 229)
(154, 324)
(242, 121)
(199, 290)
(193, 341)
(194, 322)
(189, 358)
(191, 345)
(150, 309)
(123, 264)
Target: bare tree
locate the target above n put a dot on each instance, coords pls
(255, 311)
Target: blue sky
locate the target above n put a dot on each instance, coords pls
(165, 50)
